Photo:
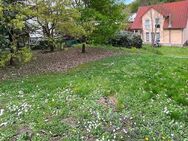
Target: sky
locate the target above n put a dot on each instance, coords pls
(128, 1)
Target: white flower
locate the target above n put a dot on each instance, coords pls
(125, 131)
(46, 101)
(3, 124)
(19, 113)
(166, 111)
(21, 92)
(1, 112)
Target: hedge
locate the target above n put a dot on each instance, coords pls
(126, 39)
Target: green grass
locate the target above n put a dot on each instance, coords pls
(174, 51)
(150, 85)
(177, 52)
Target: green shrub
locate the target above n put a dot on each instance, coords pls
(136, 41)
(126, 39)
(24, 55)
(43, 44)
(4, 58)
(120, 41)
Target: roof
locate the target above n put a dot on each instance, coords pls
(178, 11)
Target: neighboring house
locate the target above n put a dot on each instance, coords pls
(37, 34)
(166, 23)
(131, 19)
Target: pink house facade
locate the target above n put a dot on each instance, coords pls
(164, 23)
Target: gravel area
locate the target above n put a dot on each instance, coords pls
(55, 62)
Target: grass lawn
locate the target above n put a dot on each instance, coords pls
(139, 95)
(175, 52)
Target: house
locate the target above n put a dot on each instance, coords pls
(36, 34)
(165, 23)
(131, 19)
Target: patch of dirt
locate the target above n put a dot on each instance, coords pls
(23, 130)
(70, 121)
(52, 137)
(109, 102)
(89, 138)
(55, 62)
(58, 138)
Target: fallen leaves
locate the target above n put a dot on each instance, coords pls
(55, 62)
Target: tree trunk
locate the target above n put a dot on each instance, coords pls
(83, 48)
(51, 48)
(11, 61)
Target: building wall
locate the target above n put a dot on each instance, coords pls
(167, 37)
(173, 37)
(185, 34)
(151, 15)
(177, 37)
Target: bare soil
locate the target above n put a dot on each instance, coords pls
(60, 61)
(109, 102)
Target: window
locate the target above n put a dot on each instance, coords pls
(157, 23)
(157, 37)
(135, 31)
(147, 24)
(147, 37)
(152, 36)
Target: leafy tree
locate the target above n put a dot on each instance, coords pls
(108, 15)
(84, 19)
(13, 15)
(101, 18)
(55, 18)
